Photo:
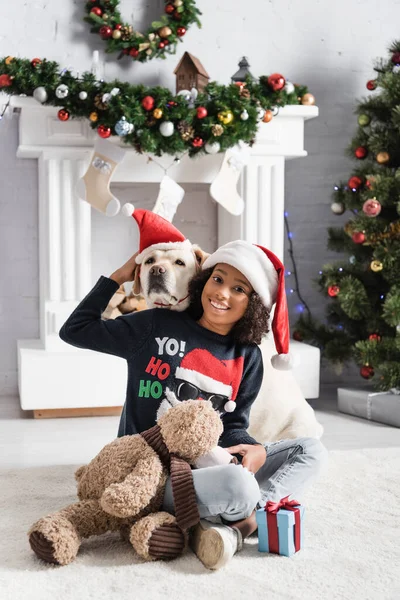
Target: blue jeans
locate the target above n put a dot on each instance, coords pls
(232, 493)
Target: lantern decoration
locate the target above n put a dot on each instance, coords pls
(276, 82)
(376, 266)
(333, 291)
(367, 371)
(358, 237)
(308, 100)
(361, 152)
(382, 157)
(355, 182)
(372, 85)
(338, 208)
(364, 120)
(225, 116)
(372, 207)
(374, 337)
(63, 114)
(157, 113)
(148, 103)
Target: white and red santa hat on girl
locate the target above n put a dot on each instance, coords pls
(266, 274)
(156, 233)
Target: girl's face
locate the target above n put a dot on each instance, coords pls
(225, 298)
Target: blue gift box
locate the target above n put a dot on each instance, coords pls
(286, 523)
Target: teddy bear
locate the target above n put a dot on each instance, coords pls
(122, 489)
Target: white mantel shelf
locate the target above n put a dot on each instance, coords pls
(63, 150)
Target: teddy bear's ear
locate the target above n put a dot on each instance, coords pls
(136, 289)
(200, 255)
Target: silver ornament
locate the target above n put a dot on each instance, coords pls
(352, 260)
(83, 95)
(260, 113)
(289, 87)
(212, 148)
(167, 128)
(398, 328)
(62, 91)
(337, 208)
(122, 127)
(244, 115)
(396, 69)
(40, 94)
(275, 110)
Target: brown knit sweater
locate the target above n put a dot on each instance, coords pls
(186, 511)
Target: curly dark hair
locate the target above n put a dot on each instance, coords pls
(252, 326)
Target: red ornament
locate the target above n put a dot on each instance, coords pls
(396, 58)
(161, 45)
(169, 9)
(333, 291)
(297, 336)
(181, 31)
(118, 26)
(201, 112)
(368, 184)
(360, 152)
(374, 337)
(358, 237)
(166, 42)
(197, 142)
(104, 131)
(355, 182)
(5, 81)
(372, 84)
(105, 32)
(367, 372)
(63, 114)
(35, 62)
(177, 16)
(96, 11)
(276, 82)
(148, 103)
(372, 207)
(134, 52)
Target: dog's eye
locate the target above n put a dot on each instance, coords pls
(149, 261)
(180, 262)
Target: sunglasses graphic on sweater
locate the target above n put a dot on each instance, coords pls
(188, 391)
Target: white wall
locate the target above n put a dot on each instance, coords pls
(327, 45)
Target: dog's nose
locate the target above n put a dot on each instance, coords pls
(157, 270)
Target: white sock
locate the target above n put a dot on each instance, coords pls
(224, 188)
(169, 198)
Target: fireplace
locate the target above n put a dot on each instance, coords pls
(53, 375)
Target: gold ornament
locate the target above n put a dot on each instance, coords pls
(217, 130)
(376, 266)
(126, 33)
(93, 116)
(164, 32)
(98, 102)
(308, 100)
(383, 158)
(9, 60)
(157, 113)
(267, 116)
(116, 34)
(178, 3)
(104, 16)
(149, 51)
(226, 117)
(143, 46)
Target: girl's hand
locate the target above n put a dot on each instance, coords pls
(126, 272)
(253, 456)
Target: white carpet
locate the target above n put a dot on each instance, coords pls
(351, 550)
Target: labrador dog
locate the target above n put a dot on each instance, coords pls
(160, 281)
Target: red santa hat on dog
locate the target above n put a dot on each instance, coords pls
(156, 233)
(266, 274)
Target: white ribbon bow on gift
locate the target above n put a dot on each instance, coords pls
(101, 165)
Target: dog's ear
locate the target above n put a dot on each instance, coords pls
(136, 289)
(200, 255)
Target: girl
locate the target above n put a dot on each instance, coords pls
(208, 352)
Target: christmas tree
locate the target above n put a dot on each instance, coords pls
(363, 316)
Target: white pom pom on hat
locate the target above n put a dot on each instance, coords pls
(156, 233)
(266, 274)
